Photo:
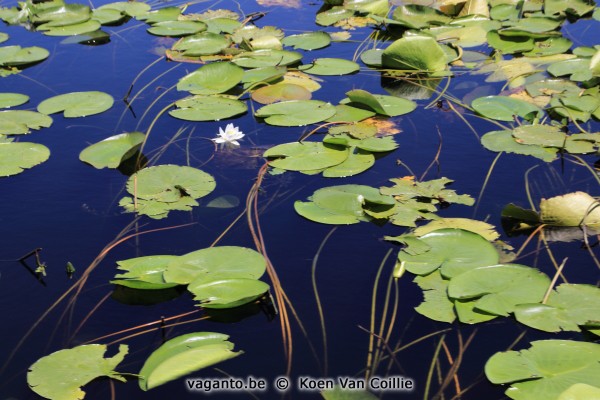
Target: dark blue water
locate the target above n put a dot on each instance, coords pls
(70, 210)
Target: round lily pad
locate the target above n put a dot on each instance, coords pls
(11, 56)
(330, 66)
(505, 108)
(296, 112)
(382, 104)
(18, 156)
(70, 30)
(208, 108)
(201, 44)
(415, 53)
(227, 293)
(305, 156)
(8, 100)
(267, 58)
(212, 78)
(308, 41)
(20, 122)
(280, 92)
(176, 28)
(77, 104)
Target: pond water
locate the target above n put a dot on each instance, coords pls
(71, 211)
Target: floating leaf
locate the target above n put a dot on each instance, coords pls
(220, 262)
(308, 41)
(498, 289)
(183, 355)
(580, 391)
(417, 16)
(71, 30)
(112, 151)
(144, 272)
(77, 104)
(11, 56)
(296, 112)
(107, 16)
(131, 8)
(417, 53)
(568, 307)
(302, 79)
(503, 141)
(386, 105)
(227, 293)
(60, 375)
(176, 28)
(18, 156)
(305, 156)
(575, 7)
(8, 100)
(208, 108)
(571, 209)
(67, 14)
(201, 44)
(358, 161)
(280, 92)
(545, 370)
(330, 66)
(436, 305)
(267, 58)
(265, 74)
(20, 122)
(578, 69)
(345, 113)
(479, 227)
(212, 78)
(163, 14)
(505, 108)
(454, 251)
(333, 15)
(163, 188)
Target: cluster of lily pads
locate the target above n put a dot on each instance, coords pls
(403, 204)
(460, 271)
(175, 358)
(218, 277)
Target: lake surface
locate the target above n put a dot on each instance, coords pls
(71, 211)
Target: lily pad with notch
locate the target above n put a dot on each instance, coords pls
(330, 66)
(176, 28)
(305, 156)
(208, 108)
(15, 157)
(20, 122)
(12, 56)
(213, 78)
(201, 44)
(227, 293)
(296, 112)
(77, 104)
(390, 106)
(267, 58)
(308, 41)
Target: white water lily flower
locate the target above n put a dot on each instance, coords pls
(230, 135)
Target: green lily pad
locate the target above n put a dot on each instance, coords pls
(498, 289)
(358, 130)
(112, 151)
(176, 28)
(386, 105)
(222, 262)
(370, 144)
(183, 355)
(505, 108)
(77, 104)
(248, 33)
(372, 58)
(212, 78)
(296, 112)
(61, 374)
(417, 16)
(540, 135)
(267, 58)
(131, 8)
(207, 108)
(479, 227)
(144, 272)
(580, 391)
(575, 7)
(333, 15)
(265, 74)
(227, 293)
(222, 25)
(67, 14)
(578, 69)
(415, 53)
(454, 251)
(163, 14)
(163, 188)
(550, 46)
(70, 30)
(330, 66)
(305, 156)
(569, 306)
(545, 370)
(308, 41)
(20, 122)
(510, 44)
(504, 141)
(11, 56)
(15, 157)
(551, 87)
(202, 44)
(436, 305)
(8, 100)
(108, 16)
(280, 92)
(358, 161)
(346, 113)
